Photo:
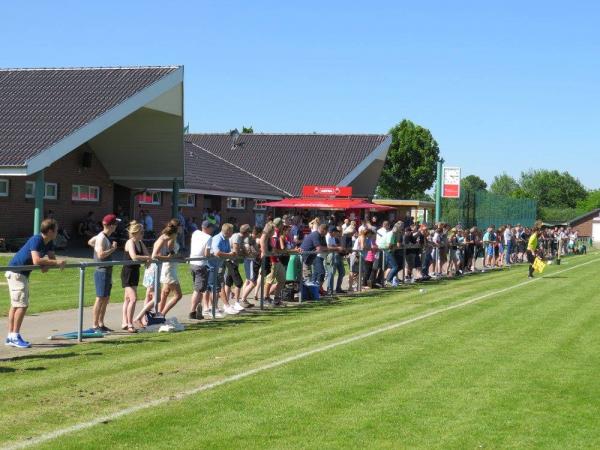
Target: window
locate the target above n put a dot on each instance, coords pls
(3, 188)
(236, 203)
(84, 193)
(50, 193)
(258, 206)
(187, 199)
(149, 198)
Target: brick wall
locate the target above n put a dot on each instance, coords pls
(162, 213)
(584, 228)
(17, 217)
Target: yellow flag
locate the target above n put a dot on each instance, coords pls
(539, 265)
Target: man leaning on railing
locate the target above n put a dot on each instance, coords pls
(39, 251)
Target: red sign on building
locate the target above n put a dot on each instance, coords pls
(327, 191)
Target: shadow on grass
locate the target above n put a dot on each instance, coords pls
(40, 356)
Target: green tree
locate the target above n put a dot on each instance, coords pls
(409, 169)
(247, 130)
(591, 202)
(504, 185)
(552, 189)
(473, 183)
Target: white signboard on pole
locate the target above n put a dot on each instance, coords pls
(451, 182)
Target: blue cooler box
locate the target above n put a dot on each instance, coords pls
(310, 292)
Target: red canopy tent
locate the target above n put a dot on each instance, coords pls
(334, 204)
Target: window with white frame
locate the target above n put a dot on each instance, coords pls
(258, 205)
(85, 193)
(3, 188)
(186, 199)
(50, 190)
(236, 203)
(149, 198)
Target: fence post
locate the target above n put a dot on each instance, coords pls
(214, 294)
(300, 278)
(81, 301)
(157, 286)
(360, 270)
(403, 263)
(262, 282)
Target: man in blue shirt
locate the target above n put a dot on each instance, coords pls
(39, 251)
(314, 242)
(221, 248)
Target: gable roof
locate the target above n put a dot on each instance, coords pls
(41, 107)
(587, 215)
(207, 172)
(289, 161)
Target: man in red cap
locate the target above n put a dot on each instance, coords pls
(103, 250)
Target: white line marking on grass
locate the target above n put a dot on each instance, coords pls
(206, 387)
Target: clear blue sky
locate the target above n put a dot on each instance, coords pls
(503, 86)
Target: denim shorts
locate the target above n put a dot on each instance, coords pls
(103, 282)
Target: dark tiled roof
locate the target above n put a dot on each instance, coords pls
(39, 107)
(290, 161)
(205, 171)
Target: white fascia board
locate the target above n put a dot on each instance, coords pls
(222, 193)
(13, 171)
(380, 152)
(104, 121)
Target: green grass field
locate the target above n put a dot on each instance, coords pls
(518, 369)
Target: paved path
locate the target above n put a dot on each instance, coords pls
(37, 327)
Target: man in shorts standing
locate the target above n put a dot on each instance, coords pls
(39, 251)
(200, 247)
(103, 250)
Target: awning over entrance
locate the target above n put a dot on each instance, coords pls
(334, 204)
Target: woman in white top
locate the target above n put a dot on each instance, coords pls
(165, 249)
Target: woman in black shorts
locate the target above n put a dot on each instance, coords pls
(135, 250)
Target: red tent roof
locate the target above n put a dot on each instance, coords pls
(326, 203)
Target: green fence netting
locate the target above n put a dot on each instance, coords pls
(482, 208)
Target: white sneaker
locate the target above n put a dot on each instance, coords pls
(208, 314)
(237, 306)
(231, 310)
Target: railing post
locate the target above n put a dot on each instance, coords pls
(157, 286)
(360, 270)
(262, 282)
(300, 279)
(404, 263)
(214, 292)
(81, 302)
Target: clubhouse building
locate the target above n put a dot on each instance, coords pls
(107, 139)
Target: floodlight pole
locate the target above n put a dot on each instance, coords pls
(438, 190)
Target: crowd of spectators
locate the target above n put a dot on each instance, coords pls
(333, 254)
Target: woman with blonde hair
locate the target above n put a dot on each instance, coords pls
(135, 250)
(314, 224)
(166, 249)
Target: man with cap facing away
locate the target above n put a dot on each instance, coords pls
(103, 250)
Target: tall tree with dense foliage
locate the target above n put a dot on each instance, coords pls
(504, 184)
(473, 183)
(409, 169)
(552, 188)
